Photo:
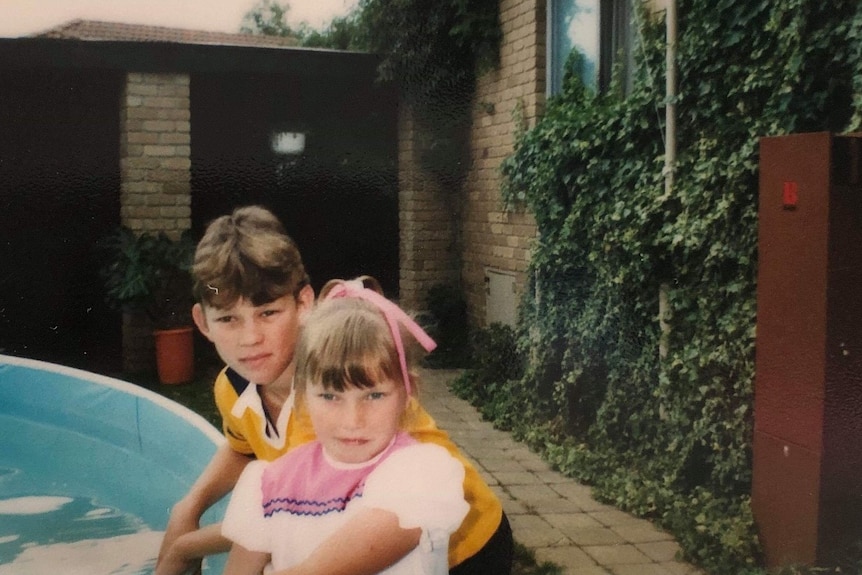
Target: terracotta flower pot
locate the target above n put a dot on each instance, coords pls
(175, 357)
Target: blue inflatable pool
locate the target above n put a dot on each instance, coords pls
(89, 469)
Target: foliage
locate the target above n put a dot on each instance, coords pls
(342, 33)
(494, 386)
(447, 309)
(854, 36)
(434, 50)
(150, 273)
(667, 437)
(269, 18)
(495, 352)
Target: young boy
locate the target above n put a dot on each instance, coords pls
(253, 294)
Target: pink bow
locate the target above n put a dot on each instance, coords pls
(393, 315)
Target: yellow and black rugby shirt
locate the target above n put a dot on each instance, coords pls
(250, 431)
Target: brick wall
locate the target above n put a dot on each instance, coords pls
(514, 93)
(155, 160)
(428, 217)
(456, 235)
(155, 172)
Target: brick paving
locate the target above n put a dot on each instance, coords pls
(553, 515)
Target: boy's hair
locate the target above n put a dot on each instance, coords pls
(248, 255)
(347, 342)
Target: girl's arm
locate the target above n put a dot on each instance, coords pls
(365, 545)
(241, 561)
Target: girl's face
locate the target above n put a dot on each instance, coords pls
(356, 424)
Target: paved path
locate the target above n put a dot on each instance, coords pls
(551, 514)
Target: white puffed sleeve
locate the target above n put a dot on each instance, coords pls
(423, 485)
(244, 522)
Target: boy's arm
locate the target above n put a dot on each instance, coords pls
(183, 544)
(365, 545)
(241, 561)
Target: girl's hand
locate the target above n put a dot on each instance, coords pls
(367, 544)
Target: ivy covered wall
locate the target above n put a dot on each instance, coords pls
(667, 435)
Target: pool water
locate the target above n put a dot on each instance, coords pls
(72, 535)
(89, 470)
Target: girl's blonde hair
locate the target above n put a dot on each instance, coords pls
(347, 342)
(356, 337)
(366, 281)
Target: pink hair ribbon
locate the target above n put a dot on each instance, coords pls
(393, 315)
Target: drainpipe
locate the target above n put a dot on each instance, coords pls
(669, 154)
(670, 89)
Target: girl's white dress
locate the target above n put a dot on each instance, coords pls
(287, 507)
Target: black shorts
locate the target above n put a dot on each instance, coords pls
(495, 558)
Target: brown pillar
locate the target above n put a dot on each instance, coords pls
(808, 386)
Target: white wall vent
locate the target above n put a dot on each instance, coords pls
(501, 301)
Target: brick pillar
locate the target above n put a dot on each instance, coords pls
(428, 222)
(155, 170)
(155, 153)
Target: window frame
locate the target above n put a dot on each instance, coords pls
(615, 34)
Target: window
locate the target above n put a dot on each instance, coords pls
(601, 31)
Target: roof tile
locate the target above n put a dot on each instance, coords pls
(95, 30)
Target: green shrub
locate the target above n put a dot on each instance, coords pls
(667, 436)
(446, 322)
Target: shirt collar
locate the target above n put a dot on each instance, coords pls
(250, 399)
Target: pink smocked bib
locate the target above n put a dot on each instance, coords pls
(307, 483)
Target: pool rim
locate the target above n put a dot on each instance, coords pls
(188, 415)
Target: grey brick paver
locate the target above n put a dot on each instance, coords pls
(567, 522)
(533, 531)
(539, 492)
(517, 478)
(573, 558)
(590, 570)
(659, 551)
(616, 554)
(545, 506)
(551, 514)
(514, 507)
(641, 569)
(612, 517)
(573, 489)
(590, 536)
(641, 532)
(495, 464)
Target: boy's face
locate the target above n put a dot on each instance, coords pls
(258, 342)
(356, 424)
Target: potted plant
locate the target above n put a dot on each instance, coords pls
(149, 273)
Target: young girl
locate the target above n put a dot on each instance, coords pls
(353, 378)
